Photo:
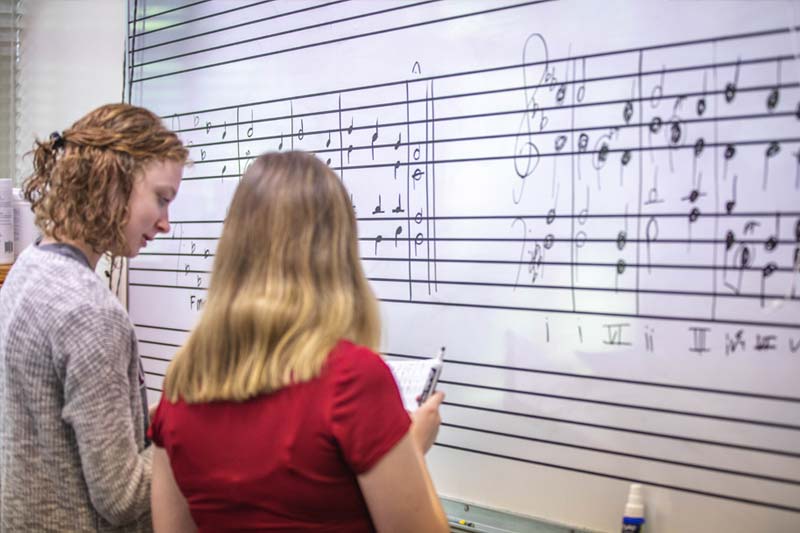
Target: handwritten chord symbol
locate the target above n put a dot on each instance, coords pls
(699, 344)
(615, 334)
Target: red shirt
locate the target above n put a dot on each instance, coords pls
(286, 461)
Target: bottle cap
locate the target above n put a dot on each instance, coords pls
(635, 506)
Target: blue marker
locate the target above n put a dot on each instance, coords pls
(633, 519)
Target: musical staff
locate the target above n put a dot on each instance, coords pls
(617, 208)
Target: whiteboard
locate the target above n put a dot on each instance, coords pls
(595, 206)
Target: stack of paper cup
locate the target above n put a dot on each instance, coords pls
(25, 230)
(6, 222)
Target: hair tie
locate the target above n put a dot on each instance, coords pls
(57, 140)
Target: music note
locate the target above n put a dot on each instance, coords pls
(224, 130)
(397, 233)
(399, 208)
(280, 145)
(378, 208)
(349, 132)
(397, 147)
(378, 239)
(374, 138)
(701, 102)
(250, 130)
(772, 150)
(772, 242)
(208, 127)
(301, 131)
(730, 87)
(328, 143)
(730, 204)
(766, 272)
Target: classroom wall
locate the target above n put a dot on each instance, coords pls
(71, 61)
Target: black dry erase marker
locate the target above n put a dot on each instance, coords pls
(433, 377)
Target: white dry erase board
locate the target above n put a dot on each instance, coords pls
(594, 205)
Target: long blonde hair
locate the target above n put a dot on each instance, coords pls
(287, 285)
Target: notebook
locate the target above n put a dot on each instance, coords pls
(417, 379)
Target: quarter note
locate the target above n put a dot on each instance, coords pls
(774, 94)
(397, 233)
(328, 142)
(730, 87)
(224, 130)
(378, 239)
(374, 138)
(772, 150)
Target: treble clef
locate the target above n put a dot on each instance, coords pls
(526, 153)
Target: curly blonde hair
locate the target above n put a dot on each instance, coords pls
(82, 179)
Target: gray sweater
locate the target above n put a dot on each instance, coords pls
(72, 420)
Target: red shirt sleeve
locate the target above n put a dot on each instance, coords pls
(156, 423)
(367, 413)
